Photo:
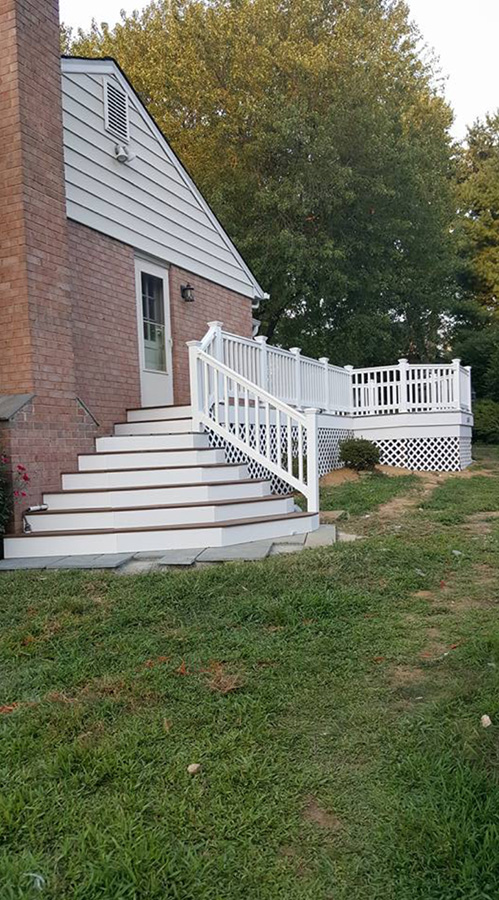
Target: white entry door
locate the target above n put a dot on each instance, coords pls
(155, 343)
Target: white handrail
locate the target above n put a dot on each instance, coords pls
(220, 394)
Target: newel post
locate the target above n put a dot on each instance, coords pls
(312, 460)
(457, 383)
(349, 369)
(325, 362)
(298, 395)
(195, 386)
(264, 371)
(469, 394)
(218, 346)
(403, 368)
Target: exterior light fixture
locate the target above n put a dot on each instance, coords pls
(187, 292)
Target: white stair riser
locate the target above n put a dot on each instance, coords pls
(133, 542)
(155, 496)
(150, 518)
(175, 476)
(147, 460)
(152, 442)
(170, 426)
(161, 412)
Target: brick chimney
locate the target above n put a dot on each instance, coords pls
(36, 345)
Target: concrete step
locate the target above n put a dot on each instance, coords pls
(166, 494)
(157, 516)
(159, 538)
(152, 442)
(147, 459)
(156, 475)
(147, 414)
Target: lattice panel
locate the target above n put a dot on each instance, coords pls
(329, 440)
(328, 449)
(466, 457)
(432, 454)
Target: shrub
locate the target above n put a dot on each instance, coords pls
(360, 454)
(486, 428)
(12, 489)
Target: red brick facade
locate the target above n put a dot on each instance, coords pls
(104, 324)
(189, 320)
(68, 321)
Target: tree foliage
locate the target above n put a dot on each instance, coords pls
(478, 200)
(316, 131)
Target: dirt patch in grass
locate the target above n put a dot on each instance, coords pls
(402, 676)
(221, 681)
(321, 817)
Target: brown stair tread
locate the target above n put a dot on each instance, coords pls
(32, 535)
(100, 453)
(192, 465)
(105, 509)
(159, 406)
(151, 422)
(155, 487)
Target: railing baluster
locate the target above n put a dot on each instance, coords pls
(267, 428)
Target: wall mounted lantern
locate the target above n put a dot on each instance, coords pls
(187, 292)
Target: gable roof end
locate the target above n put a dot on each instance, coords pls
(107, 66)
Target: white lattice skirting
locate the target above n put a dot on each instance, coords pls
(328, 443)
(426, 454)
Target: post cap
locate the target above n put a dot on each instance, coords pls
(261, 338)
(295, 350)
(215, 324)
(324, 359)
(403, 360)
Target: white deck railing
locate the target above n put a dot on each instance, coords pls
(304, 382)
(264, 401)
(246, 416)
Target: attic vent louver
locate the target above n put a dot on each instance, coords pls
(116, 111)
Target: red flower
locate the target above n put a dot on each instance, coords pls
(21, 468)
(25, 476)
(16, 493)
(23, 493)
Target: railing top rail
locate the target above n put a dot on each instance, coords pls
(280, 351)
(255, 389)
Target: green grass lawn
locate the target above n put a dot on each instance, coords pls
(332, 698)
(358, 497)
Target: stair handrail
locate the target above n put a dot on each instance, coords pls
(243, 413)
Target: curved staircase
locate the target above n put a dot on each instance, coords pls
(156, 485)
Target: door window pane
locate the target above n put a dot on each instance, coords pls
(153, 312)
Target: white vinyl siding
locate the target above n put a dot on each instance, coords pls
(150, 202)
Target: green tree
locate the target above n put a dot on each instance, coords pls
(478, 215)
(316, 131)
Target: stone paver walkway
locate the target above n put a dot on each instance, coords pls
(135, 563)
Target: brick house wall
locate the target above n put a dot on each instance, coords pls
(68, 321)
(189, 320)
(104, 324)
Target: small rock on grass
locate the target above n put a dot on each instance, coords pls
(194, 768)
(486, 721)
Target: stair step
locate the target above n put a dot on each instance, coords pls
(52, 521)
(154, 475)
(148, 413)
(210, 534)
(167, 494)
(145, 459)
(119, 443)
(156, 426)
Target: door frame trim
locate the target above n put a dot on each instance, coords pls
(159, 270)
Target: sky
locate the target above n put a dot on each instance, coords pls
(463, 34)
